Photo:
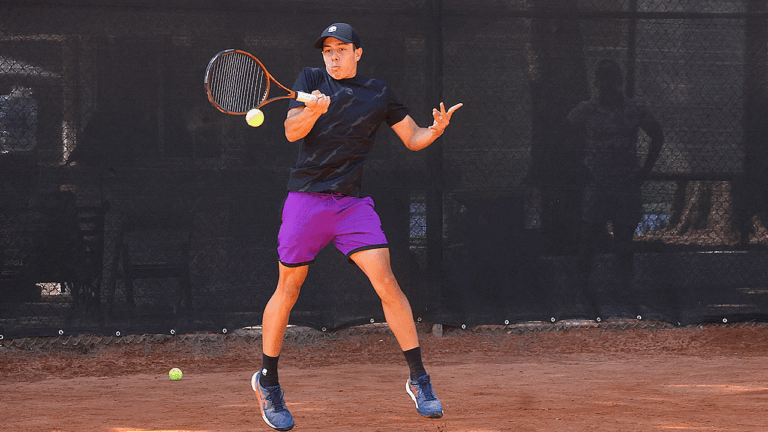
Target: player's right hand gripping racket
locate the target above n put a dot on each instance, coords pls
(237, 82)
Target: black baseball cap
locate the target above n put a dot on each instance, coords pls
(340, 31)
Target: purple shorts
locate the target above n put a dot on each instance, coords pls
(312, 220)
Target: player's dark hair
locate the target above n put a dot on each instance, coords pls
(608, 72)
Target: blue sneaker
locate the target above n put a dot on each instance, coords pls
(427, 404)
(272, 405)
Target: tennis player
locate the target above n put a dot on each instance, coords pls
(607, 129)
(324, 205)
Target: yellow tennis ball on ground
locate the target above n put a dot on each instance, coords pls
(254, 117)
(175, 374)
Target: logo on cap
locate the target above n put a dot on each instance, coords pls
(331, 29)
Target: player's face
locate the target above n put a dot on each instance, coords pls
(610, 87)
(340, 58)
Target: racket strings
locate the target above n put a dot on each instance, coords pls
(237, 83)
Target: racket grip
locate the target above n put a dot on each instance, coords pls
(304, 97)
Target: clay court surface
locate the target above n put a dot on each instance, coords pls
(611, 378)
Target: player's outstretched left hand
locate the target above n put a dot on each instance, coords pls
(442, 117)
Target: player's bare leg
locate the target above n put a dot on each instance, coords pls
(625, 260)
(278, 309)
(587, 295)
(274, 322)
(375, 263)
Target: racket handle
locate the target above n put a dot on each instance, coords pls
(304, 97)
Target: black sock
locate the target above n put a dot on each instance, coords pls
(413, 357)
(269, 371)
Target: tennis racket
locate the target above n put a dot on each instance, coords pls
(237, 82)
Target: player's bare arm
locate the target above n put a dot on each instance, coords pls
(655, 132)
(416, 138)
(300, 120)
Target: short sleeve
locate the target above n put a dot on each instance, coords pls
(304, 83)
(396, 111)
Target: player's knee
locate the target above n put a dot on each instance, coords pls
(288, 291)
(385, 284)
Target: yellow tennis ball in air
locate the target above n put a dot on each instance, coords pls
(254, 117)
(175, 374)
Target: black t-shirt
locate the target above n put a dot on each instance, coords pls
(332, 155)
(611, 132)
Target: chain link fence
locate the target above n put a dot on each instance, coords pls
(131, 205)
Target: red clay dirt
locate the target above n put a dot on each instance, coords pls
(607, 377)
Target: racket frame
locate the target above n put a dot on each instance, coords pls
(299, 96)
